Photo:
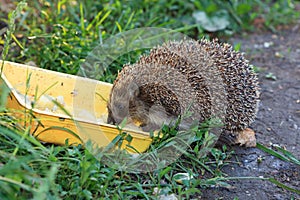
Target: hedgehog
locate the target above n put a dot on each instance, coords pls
(203, 78)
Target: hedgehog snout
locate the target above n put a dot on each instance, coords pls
(119, 111)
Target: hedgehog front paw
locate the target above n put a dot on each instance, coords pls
(149, 127)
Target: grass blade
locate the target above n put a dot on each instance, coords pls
(21, 185)
(61, 129)
(279, 184)
(11, 29)
(287, 156)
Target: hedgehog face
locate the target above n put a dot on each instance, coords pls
(118, 105)
(117, 111)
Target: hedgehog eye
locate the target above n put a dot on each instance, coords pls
(120, 106)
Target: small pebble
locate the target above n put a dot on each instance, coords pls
(278, 55)
(268, 44)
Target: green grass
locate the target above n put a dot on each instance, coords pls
(30, 169)
(59, 36)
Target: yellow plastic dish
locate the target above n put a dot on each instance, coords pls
(64, 107)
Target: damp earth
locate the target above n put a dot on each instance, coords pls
(276, 57)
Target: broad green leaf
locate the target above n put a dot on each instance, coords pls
(219, 21)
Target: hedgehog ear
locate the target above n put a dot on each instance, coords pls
(133, 89)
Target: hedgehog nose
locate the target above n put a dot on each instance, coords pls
(110, 120)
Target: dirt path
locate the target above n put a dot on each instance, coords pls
(278, 120)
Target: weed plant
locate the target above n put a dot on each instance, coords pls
(58, 35)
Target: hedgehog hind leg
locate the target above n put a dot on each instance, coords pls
(245, 137)
(227, 137)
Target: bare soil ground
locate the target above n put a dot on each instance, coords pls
(278, 120)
